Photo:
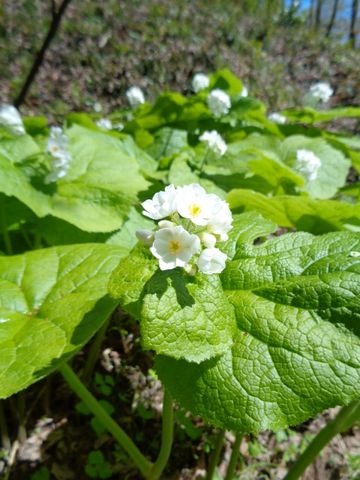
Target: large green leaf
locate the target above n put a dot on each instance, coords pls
(304, 213)
(51, 302)
(179, 315)
(297, 348)
(102, 183)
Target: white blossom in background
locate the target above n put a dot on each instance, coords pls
(10, 118)
(200, 82)
(135, 96)
(104, 123)
(118, 126)
(191, 223)
(215, 142)
(98, 107)
(321, 91)
(277, 118)
(57, 147)
(307, 163)
(244, 91)
(219, 102)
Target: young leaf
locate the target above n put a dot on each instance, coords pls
(297, 348)
(51, 302)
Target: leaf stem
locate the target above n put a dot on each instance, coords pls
(144, 465)
(166, 437)
(234, 457)
(342, 422)
(94, 352)
(214, 459)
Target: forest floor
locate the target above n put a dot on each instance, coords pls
(100, 50)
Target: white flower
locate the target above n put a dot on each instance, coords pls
(277, 118)
(244, 92)
(321, 91)
(146, 237)
(10, 118)
(199, 82)
(97, 107)
(118, 126)
(104, 123)
(219, 102)
(221, 218)
(174, 247)
(135, 96)
(192, 203)
(307, 163)
(162, 204)
(211, 260)
(57, 147)
(214, 141)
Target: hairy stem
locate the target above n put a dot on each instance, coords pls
(343, 421)
(214, 459)
(143, 464)
(234, 457)
(166, 437)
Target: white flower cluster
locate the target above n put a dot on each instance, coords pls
(104, 123)
(219, 102)
(191, 223)
(200, 82)
(135, 96)
(11, 119)
(321, 92)
(57, 147)
(277, 118)
(215, 142)
(307, 163)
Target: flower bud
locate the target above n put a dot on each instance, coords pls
(207, 239)
(166, 224)
(146, 237)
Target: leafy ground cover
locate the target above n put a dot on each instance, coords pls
(280, 207)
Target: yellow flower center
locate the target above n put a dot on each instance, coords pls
(174, 246)
(194, 210)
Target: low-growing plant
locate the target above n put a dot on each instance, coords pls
(254, 325)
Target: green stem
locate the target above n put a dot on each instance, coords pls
(7, 242)
(342, 422)
(234, 457)
(94, 353)
(214, 459)
(144, 465)
(166, 437)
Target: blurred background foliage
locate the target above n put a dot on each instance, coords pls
(277, 47)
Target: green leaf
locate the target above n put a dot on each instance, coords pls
(309, 115)
(303, 213)
(179, 315)
(185, 317)
(296, 351)
(167, 141)
(51, 302)
(102, 183)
